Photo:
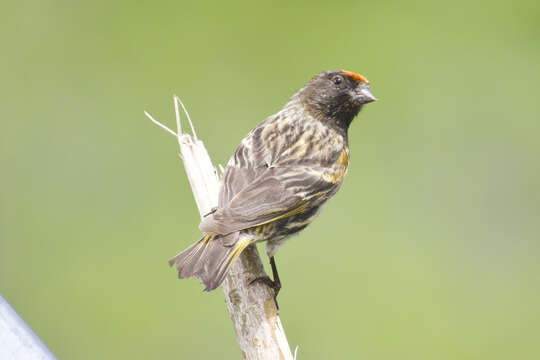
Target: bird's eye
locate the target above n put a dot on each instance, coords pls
(337, 80)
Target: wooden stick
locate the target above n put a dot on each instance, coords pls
(252, 307)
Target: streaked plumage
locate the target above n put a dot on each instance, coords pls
(279, 176)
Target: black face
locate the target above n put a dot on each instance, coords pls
(336, 96)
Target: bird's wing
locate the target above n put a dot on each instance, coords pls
(276, 193)
(272, 175)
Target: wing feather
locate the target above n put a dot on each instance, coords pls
(275, 194)
(270, 177)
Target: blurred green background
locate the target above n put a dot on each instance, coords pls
(430, 251)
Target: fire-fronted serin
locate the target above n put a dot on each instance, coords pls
(279, 176)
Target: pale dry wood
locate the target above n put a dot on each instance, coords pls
(252, 308)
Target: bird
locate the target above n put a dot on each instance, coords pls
(279, 177)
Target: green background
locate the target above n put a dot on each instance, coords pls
(430, 250)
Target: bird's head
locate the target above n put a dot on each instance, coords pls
(336, 96)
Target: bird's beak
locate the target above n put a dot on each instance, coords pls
(365, 95)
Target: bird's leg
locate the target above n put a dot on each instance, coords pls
(275, 275)
(274, 284)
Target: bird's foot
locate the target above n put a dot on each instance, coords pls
(274, 285)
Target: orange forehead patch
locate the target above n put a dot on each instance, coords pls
(355, 76)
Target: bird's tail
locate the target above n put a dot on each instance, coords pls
(210, 258)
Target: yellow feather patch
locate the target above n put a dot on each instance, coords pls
(235, 253)
(300, 208)
(205, 240)
(339, 169)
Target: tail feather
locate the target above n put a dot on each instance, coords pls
(209, 259)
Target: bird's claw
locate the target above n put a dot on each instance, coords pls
(274, 285)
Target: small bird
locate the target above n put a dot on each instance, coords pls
(279, 177)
